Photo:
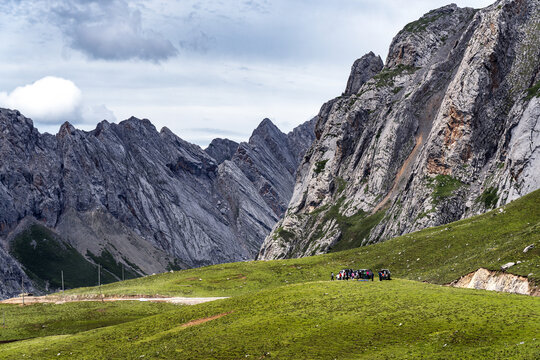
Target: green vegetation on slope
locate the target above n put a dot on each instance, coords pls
(489, 198)
(422, 23)
(41, 320)
(443, 187)
(439, 255)
(281, 309)
(533, 91)
(319, 166)
(284, 234)
(44, 255)
(106, 260)
(321, 320)
(386, 76)
(354, 229)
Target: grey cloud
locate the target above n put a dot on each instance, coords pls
(110, 30)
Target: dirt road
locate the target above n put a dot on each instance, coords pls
(60, 299)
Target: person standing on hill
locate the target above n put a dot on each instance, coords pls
(332, 277)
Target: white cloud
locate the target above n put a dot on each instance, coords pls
(53, 100)
(49, 99)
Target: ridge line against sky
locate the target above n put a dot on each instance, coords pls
(204, 69)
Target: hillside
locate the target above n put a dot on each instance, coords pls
(446, 129)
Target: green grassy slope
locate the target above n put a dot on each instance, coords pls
(319, 320)
(49, 319)
(438, 255)
(43, 255)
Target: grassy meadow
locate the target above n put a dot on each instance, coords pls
(397, 319)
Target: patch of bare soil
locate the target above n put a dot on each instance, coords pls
(203, 320)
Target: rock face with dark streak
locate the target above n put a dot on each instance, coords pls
(148, 198)
(449, 128)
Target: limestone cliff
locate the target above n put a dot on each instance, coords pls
(447, 129)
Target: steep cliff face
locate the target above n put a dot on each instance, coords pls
(447, 129)
(148, 200)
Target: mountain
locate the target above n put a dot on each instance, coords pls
(135, 200)
(447, 129)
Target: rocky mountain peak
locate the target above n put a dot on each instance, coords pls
(15, 125)
(222, 149)
(103, 125)
(136, 123)
(66, 129)
(362, 70)
(419, 40)
(265, 130)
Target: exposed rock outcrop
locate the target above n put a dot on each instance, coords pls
(483, 279)
(149, 199)
(362, 70)
(446, 130)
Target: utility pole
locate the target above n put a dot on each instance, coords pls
(99, 282)
(22, 289)
(62, 274)
(122, 271)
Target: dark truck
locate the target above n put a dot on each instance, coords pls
(384, 274)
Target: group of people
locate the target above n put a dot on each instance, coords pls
(363, 274)
(346, 274)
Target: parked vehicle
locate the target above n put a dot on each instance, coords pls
(384, 274)
(365, 274)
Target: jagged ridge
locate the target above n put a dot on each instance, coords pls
(149, 199)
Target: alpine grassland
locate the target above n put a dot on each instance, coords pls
(41, 320)
(317, 320)
(289, 309)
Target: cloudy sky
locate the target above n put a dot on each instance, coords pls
(205, 69)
